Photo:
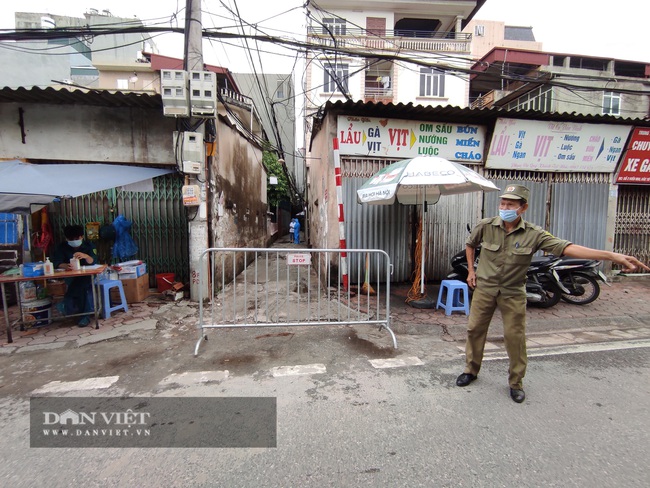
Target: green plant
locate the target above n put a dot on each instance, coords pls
(280, 191)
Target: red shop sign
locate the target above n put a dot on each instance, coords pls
(635, 167)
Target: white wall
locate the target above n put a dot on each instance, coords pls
(408, 86)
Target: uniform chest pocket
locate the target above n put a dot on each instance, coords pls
(522, 255)
(489, 246)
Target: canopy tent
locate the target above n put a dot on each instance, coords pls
(24, 187)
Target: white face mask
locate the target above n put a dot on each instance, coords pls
(76, 243)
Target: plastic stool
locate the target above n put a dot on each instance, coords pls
(453, 300)
(105, 287)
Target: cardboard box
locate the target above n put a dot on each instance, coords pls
(135, 289)
(56, 287)
(133, 271)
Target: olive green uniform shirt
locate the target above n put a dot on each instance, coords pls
(506, 256)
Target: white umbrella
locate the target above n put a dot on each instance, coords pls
(421, 180)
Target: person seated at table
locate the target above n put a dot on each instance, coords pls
(79, 296)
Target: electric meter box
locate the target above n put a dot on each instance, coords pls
(190, 150)
(203, 93)
(191, 167)
(175, 96)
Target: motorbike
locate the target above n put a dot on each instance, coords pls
(580, 277)
(544, 288)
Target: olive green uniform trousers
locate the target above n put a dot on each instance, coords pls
(513, 312)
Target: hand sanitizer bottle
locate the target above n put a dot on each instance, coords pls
(48, 267)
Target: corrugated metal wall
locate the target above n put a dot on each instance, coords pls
(572, 206)
(392, 228)
(447, 223)
(579, 208)
(385, 227)
(535, 182)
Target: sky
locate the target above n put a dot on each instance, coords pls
(567, 26)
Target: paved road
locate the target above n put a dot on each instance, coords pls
(353, 411)
(353, 424)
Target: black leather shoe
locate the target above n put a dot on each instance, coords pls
(465, 379)
(517, 395)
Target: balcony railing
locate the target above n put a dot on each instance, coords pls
(392, 40)
(236, 99)
(484, 101)
(375, 94)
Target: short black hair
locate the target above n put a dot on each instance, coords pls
(73, 231)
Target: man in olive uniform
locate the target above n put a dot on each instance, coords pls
(508, 243)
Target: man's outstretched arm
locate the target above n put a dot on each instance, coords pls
(629, 263)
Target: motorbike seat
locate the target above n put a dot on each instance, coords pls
(577, 261)
(539, 260)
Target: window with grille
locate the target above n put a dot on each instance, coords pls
(432, 82)
(334, 26)
(336, 78)
(611, 103)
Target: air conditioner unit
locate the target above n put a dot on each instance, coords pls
(175, 97)
(203, 93)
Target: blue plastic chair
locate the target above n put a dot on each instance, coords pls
(105, 287)
(453, 296)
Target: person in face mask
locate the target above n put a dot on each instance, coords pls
(508, 243)
(78, 297)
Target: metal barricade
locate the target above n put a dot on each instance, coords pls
(281, 287)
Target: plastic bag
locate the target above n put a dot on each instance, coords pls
(124, 246)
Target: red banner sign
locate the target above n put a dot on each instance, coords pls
(635, 167)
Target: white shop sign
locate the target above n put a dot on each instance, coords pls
(396, 138)
(535, 145)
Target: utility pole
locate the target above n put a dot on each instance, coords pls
(198, 226)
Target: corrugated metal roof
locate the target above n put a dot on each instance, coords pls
(449, 113)
(70, 96)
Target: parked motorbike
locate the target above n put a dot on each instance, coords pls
(544, 288)
(580, 277)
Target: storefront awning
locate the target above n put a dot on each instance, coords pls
(25, 186)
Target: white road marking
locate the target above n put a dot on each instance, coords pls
(80, 385)
(396, 362)
(194, 377)
(300, 369)
(578, 348)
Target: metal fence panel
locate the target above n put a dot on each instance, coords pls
(290, 287)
